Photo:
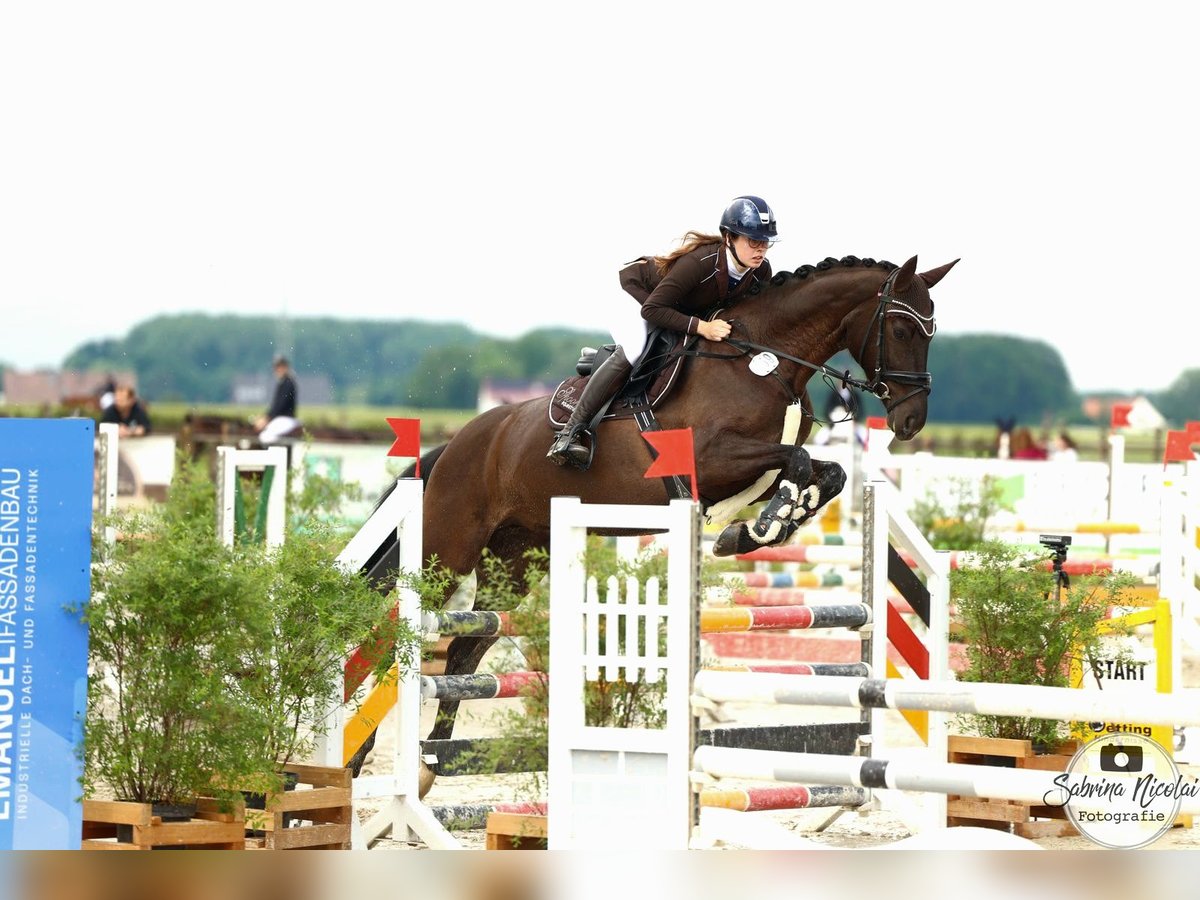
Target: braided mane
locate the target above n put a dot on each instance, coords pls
(825, 265)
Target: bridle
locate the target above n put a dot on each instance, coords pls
(889, 305)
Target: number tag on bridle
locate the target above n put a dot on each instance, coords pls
(764, 363)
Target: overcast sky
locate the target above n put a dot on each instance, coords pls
(495, 163)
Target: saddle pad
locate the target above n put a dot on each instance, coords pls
(627, 402)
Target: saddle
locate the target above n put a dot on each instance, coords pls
(656, 375)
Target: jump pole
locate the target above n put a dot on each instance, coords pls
(1030, 701)
(1020, 785)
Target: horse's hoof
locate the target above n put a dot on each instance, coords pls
(425, 779)
(730, 540)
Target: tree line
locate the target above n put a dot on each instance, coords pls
(195, 358)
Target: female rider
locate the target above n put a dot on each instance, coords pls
(706, 272)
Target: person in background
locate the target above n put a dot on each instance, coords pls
(1023, 446)
(1063, 449)
(108, 392)
(127, 413)
(280, 418)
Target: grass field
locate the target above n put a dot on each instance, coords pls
(943, 438)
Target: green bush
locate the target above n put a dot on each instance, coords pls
(172, 615)
(1018, 631)
(963, 525)
(212, 666)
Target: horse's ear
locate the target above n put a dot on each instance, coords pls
(933, 276)
(904, 276)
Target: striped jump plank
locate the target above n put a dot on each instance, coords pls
(1105, 528)
(790, 797)
(467, 623)
(752, 618)
(478, 687)
(1032, 786)
(808, 597)
(797, 579)
(853, 670)
(517, 684)
(801, 553)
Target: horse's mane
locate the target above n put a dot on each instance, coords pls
(825, 265)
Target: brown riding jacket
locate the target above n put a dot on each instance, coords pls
(696, 283)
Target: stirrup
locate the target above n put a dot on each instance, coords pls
(567, 448)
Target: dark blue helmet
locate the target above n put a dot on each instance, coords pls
(750, 217)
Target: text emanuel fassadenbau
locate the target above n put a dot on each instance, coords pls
(18, 597)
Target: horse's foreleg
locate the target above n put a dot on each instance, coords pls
(825, 483)
(779, 517)
(805, 485)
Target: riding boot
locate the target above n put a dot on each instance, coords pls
(601, 387)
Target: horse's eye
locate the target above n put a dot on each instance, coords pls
(898, 332)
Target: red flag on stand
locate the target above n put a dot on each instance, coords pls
(1120, 415)
(408, 440)
(676, 455)
(1179, 446)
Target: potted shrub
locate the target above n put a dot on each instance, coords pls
(316, 614)
(172, 615)
(1019, 627)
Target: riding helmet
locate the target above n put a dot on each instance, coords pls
(750, 217)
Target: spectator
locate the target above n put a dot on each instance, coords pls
(842, 411)
(108, 392)
(1023, 446)
(127, 413)
(1063, 449)
(280, 419)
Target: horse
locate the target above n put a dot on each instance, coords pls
(489, 488)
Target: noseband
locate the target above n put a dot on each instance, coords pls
(890, 305)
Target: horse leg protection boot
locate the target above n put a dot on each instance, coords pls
(601, 387)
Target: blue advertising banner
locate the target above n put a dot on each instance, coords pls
(46, 468)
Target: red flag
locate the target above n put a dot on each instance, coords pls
(408, 440)
(676, 455)
(876, 423)
(1192, 427)
(1120, 415)
(1179, 446)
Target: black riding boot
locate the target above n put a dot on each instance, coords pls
(601, 386)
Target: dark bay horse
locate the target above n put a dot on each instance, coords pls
(490, 486)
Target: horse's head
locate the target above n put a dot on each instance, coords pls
(891, 343)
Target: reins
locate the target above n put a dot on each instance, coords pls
(889, 304)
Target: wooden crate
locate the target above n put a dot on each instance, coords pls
(322, 799)
(106, 822)
(516, 831)
(1023, 819)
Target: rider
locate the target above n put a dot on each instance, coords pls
(674, 291)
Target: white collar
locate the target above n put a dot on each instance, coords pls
(735, 270)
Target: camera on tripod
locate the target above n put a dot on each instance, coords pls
(1056, 542)
(1059, 544)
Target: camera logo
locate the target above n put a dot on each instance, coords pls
(1119, 758)
(1122, 791)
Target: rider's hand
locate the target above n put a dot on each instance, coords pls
(716, 330)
